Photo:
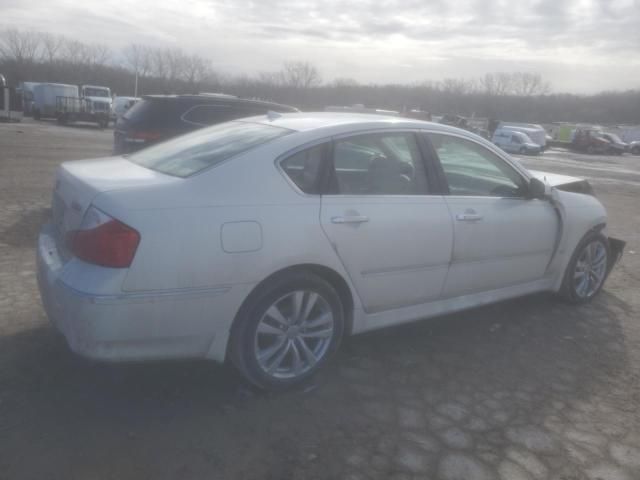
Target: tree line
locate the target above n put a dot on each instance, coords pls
(514, 96)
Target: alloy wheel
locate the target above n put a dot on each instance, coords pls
(294, 334)
(590, 270)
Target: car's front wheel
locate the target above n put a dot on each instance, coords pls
(587, 269)
(287, 330)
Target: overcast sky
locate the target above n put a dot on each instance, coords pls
(580, 46)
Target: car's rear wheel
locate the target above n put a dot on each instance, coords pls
(523, 150)
(287, 330)
(587, 269)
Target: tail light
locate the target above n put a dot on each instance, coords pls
(103, 240)
(144, 136)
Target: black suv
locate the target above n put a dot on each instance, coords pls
(159, 117)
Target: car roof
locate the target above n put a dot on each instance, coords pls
(306, 121)
(216, 98)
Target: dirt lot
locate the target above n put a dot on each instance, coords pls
(527, 389)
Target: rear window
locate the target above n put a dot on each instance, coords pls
(191, 153)
(156, 113)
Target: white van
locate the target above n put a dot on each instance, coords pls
(512, 141)
(45, 95)
(535, 132)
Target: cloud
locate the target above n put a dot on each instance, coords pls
(364, 39)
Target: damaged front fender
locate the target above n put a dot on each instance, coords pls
(616, 247)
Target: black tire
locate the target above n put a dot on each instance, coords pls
(635, 151)
(243, 334)
(568, 290)
(36, 114)
(591, 150)
(523, 150)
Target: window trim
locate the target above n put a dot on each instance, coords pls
(321, 172)
(445, 184)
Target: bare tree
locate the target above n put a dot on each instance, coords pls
(457, 86)
(497, 84)
(299, 75)
(51, 46)
(98, 54)
(21, 46)
(138, 58)
(158, 63)
(527, 84)
(196, 69)
(345, 82)
(269, 78)
(75, 52)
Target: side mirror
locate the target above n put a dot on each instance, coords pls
(538, 189)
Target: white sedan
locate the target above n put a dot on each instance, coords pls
(267, 240)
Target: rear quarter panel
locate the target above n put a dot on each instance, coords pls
(182, 225)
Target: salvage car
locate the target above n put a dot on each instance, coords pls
(616, 145)
(268, 240)
(591, 140)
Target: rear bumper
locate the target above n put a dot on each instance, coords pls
(191, 323)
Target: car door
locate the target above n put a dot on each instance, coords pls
(501, 236)
(393, 237)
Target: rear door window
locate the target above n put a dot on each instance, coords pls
(387, 163)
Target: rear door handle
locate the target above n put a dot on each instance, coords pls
(350, 219)
(468, 217)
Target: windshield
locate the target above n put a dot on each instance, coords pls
(204, 148)
(96, 92)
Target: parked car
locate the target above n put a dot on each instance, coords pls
(634, 147)
(267, 240)
(159, 117)
(515, 142)
(590, 140)
(616, 145)
(120, 105)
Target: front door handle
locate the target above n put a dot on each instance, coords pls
(468, 217)
(350, 219)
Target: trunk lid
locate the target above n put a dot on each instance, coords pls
(79, 182)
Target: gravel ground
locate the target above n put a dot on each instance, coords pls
(526, 389)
